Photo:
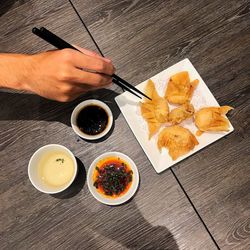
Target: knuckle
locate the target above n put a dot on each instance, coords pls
(107, 80)
(100, 80)
(65, 98)
(101, 66)
(67, 55)
(64, 74)
(96, 81)
(67, 89)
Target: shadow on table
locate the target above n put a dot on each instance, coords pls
(77, 184)
(127, 226)
(19, 106)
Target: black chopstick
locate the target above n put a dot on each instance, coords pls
(61, 44)
(125, 87)
(52, 38)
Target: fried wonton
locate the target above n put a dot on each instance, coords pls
(155, 112)
(180, 89)
(212, 119)
(181, 113)
(178, 140)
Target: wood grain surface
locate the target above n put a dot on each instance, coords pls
(145, 37)
(19, 17)
(158, 217)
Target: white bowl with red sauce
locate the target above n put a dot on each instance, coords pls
(113, 178)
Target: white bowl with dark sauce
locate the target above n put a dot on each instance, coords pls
(91, 119)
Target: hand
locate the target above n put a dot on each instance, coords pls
(61, 75)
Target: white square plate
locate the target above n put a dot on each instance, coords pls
(202, 97)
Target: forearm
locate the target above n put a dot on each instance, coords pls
(57, 74)
(14, 69)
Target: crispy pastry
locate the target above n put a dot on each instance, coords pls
(178, 140)
(155, 112)
(212, 119)
(180, 89)
(181, 113)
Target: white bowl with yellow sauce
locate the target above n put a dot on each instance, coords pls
(52, 168)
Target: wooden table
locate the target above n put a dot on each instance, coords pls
(202, 202)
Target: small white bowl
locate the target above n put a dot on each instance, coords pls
(127, 195)
(33, 169)
(77, 110)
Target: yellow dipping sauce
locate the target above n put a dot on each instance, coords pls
(56, 168)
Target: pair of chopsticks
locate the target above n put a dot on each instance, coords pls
(61, 44)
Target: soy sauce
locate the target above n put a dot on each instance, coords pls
(92, 120)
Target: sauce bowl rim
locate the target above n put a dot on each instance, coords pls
(119, 200)
(86, 103)
(31, 164)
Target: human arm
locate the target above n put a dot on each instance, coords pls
(60, 75)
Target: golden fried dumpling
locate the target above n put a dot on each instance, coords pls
(180, 89)
(212, 119)
(150, 91)
(155, 112)
(178, 140)
(181, 113)
(149, 116)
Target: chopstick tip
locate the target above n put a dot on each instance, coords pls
(34, 30)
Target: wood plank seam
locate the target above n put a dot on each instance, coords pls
(182, 188)
(85, 26)
(191, 203)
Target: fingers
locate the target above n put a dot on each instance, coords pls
(91, 53)
(93, 64)
(86, 62)
(74, 91)
(92, 79)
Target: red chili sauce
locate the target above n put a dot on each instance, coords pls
(112, 177)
